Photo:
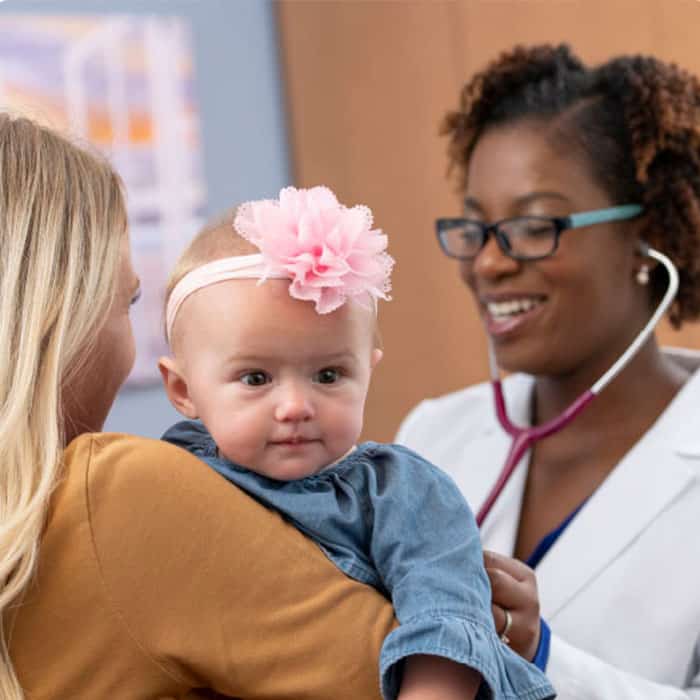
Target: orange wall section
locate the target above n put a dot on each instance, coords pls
(367, 84)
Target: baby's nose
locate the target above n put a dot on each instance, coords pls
(295, 405)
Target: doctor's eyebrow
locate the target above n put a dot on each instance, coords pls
(471, 203)
(520, 202)
(534, 196)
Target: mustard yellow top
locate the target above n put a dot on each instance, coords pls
(157, 577)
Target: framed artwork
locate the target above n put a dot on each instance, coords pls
(126, 85)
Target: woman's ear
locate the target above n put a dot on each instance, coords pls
(176, 387)
(377, 355)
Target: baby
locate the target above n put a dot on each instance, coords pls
(273, 334)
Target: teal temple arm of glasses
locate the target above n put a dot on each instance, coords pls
(599, 216)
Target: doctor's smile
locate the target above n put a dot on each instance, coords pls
(505, 313)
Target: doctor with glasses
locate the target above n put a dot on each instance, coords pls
(581, 191)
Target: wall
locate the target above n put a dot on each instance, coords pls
(364, 120)
(244, 140)
(367, 84)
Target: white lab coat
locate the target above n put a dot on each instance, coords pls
(620, 588)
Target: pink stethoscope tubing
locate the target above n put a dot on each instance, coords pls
(524, 437)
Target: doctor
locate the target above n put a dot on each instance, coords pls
(606, 512)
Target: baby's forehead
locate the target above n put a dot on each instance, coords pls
(264, 314)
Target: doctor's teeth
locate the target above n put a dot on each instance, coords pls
(511, 307)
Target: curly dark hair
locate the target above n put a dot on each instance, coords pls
(636, 118)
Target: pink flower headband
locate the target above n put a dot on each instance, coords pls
(329, 252)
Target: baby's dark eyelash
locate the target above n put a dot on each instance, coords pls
(336, 372)
(136, 297)
(245, 377)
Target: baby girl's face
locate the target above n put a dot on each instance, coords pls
(280, 388)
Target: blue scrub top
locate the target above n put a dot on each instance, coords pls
(543, 546)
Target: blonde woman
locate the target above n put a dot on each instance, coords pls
(129, 568)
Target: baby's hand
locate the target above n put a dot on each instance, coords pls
(436, 678)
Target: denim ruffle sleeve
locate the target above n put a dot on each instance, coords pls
(505, 675)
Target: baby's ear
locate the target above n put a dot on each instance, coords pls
(176, 387)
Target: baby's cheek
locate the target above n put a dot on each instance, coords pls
(234, 441)
(236, 451)
(349, 422)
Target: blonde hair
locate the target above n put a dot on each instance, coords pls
(62, 223)
(218, 239)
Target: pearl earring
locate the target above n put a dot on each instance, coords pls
(643, 275)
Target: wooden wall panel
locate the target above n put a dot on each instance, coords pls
(367, 84)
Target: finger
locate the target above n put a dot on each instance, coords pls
(499, 618)
(508, 592)
(514, 567)
(522, 637)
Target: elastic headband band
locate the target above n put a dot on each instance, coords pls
(329, 252)
(237, 268)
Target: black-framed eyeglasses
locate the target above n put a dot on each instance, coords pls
(522, 237)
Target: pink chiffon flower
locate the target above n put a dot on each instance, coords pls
(329, 251)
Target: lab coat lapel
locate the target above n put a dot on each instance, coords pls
(650, 477)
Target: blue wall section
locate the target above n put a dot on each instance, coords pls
(242, 121)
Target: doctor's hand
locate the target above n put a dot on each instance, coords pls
(514, 590)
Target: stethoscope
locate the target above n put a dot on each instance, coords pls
(523, 438)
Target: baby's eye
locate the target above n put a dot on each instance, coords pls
(255, 378)
(328, 375)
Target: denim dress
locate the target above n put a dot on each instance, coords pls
(388, 518)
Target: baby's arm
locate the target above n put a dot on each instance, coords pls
(435, 678)
(426, 548)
